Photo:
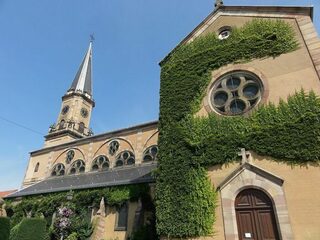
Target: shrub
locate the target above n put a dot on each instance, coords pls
(31, 229)
(4, 228)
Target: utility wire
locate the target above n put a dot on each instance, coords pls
(21, 126)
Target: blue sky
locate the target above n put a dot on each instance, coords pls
(43, 42)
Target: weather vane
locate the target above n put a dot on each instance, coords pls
(92, 37)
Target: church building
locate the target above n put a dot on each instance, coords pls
(259, 194)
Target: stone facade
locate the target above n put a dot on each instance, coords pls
(292, 188)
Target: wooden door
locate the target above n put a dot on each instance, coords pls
(255, 216)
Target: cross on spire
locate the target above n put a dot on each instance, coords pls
(218, 4)
(92, 37)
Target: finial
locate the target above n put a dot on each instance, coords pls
(218, 4)
(91, 37)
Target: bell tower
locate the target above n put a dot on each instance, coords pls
(77, 104)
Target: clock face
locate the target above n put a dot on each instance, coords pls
(65, 109)
(84, 112)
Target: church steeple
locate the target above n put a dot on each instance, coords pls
(74, 117)
(82, 82)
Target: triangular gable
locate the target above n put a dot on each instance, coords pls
(257, 11)
(252, 168)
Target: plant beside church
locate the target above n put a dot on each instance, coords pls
(187, 145)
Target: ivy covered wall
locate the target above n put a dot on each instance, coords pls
(185, 198)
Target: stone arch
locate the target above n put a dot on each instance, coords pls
(62, 156)
(249, 176)
(152, 140)
(122, 147)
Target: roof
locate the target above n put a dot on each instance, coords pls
(304, 10)
(114, 177)
(5, 193)
(82, 82)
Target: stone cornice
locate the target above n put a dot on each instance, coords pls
(115, 133)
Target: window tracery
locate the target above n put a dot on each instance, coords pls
(150, 154)
(125, 158)
(77, 167)
(70, 156)
(58, 170)
(236, 93)
(101, 163)
(113, 147)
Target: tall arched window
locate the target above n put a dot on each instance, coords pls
(36, 167)
(61, 124)
(255, 215)
(81, 127)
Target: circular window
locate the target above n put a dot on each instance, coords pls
(101, 163)
(236, 93)
(113, 147)
(58, 170)
(224, 33)
(69, 157)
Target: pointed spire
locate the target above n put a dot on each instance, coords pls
(82, 82)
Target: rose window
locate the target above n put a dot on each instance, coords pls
(101, 163)
(150, 154)
(77, 167)
(58, 170)
(236, 93)
(113, 147)
(125, 158)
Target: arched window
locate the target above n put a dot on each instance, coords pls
(150, 154)
(36, 167)
(61, 124)
(122, 217)
(81, 127)
(77, 167)
(255, 215)
(125, 158)
(100, 163)
(58, 170)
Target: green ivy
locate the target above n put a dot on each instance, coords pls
(47, 204)
(288, 132)
(185, 198)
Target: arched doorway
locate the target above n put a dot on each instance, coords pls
(255, 216)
